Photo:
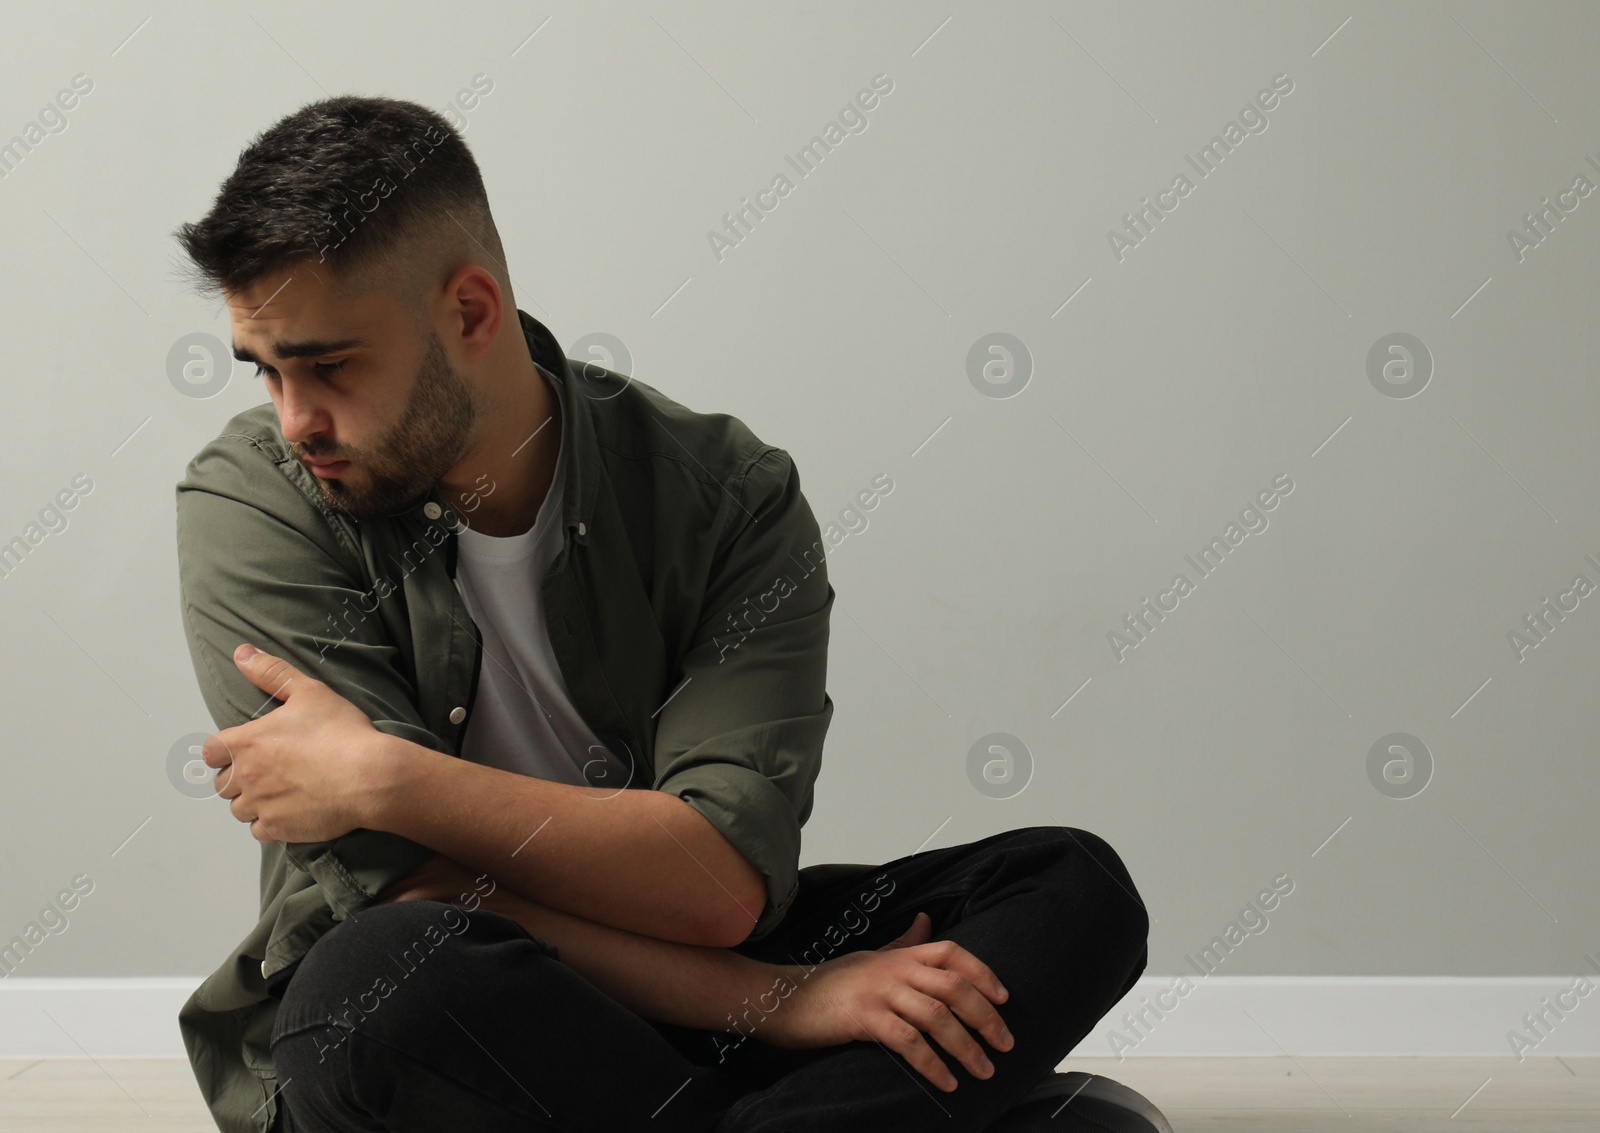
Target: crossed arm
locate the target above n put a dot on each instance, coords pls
(638, 891)
(687, 984)
(640, 860)
(892, 995)
(316, 768)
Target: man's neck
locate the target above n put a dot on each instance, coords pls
(519, 461)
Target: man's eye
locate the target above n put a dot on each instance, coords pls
(323, 369)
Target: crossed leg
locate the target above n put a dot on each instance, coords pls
(417, 1016)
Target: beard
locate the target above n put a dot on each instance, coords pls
(408, 460)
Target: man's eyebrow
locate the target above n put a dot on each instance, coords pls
(307, 348)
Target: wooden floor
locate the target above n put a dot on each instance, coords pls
(1364, 1095)
(1281, 1095)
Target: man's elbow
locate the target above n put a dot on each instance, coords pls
(732, 920)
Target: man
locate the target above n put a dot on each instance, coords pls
(519, 666)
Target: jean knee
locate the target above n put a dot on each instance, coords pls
(1107, 885)
(348, 974)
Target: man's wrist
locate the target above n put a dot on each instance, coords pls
(394, 765)
(771, 990)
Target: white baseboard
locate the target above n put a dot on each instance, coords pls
(1219, 1016)
(93, 1018)
(1350, 1015)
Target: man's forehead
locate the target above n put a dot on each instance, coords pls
(278, 295)
(265, 318)
(287, 295)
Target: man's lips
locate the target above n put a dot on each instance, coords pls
(328, 467)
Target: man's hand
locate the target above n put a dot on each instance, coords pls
(303, 772)
(893, 995)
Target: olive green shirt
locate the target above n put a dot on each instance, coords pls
(687, 608)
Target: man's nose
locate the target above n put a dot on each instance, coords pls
(299, 416)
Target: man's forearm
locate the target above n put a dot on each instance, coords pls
(639, 860)
(690, 985)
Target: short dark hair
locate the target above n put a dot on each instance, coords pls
(383, 191)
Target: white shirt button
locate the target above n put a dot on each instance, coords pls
(432, 510)
(581, 528)
(457, 714)
(263, 969)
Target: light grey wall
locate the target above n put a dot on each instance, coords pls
(1168, 387)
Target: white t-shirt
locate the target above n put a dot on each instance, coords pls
(523, 719)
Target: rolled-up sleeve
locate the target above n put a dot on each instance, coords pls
(741, 739)
(258, 562)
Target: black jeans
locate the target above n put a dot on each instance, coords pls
(448, 1020)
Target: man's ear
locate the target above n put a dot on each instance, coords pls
(479, 309)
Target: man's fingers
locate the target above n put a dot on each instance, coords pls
(274, 675)
(949, 954)
(935, 1016)
(916, 933)
(906, 1040)
(969, 1004)
(279, 675)
(223, 786)
(219, 756)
